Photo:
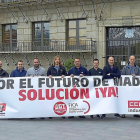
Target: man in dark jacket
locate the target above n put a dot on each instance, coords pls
(111, 71)
(78, 70)
(3, 73)
(131, 69)
(19, 71)
(95, 71)
(56, 70)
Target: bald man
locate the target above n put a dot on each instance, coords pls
(111, 71)
(131, 69)
(3, 73)
(36, 70)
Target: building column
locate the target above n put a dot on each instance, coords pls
(24, 36)
(0, 33)
(101, 49)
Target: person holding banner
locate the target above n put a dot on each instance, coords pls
(56, 70)
(36, 70)
(19, 71)
(131, 69)
(111, 71)
(95, 71)
(3, 73)
(77, 70)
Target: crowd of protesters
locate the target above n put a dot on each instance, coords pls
(110, 71)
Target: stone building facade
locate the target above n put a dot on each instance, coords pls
(70, 28)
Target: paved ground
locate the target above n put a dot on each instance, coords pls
(71, 129)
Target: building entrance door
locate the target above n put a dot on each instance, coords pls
(121, 42)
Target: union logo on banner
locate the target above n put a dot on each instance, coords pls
(134, 106)
(2, 109)
(60, 108)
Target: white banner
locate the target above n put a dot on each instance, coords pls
(30, 97)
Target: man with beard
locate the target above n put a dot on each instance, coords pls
(36, 70)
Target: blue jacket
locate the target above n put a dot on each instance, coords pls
(52, 71)
(77, 72)
(17, 73)
(115, 72)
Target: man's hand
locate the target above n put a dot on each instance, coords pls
(81, 75)
(38, 75)
(63, 76)
(31, 76)
(72, 75)
(50, 76)
(133, 75)
(108, 74)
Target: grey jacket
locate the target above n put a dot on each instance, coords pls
(31, 71)
(127, 71)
